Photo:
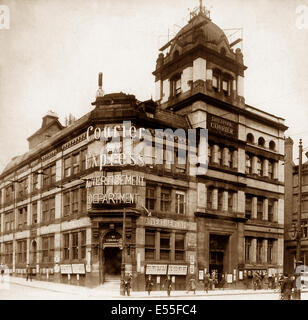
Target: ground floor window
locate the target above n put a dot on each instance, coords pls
(48, 243)
(74, 245)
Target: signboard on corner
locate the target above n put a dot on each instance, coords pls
(78, 268)
(66, 268)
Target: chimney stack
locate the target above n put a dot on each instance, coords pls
(100, 92)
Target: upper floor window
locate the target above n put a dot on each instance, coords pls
(165, 200)
(259, 251)
(22, 217)
(180, 202)
(248, 206)
(270, 169)
(149, 244)
(261, 142)
(49, 176)
(247, 248)
(48, 210)
(176, 85)
(259, 208)
(250, 138)
(34, 213)
(48, 243)
(225, 87)
(75, 163)
(9, 221)
(215, 82)
(150, 198)
(23, 188)
(270, 244)
(259, 167)
(272, 145)
(270, 210)
(248, 164)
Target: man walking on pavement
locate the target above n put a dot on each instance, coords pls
(206, 282)
(149, 284)
(168, 285)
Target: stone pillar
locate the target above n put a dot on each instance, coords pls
(172, 246)
(58, 205)
(280, 247)
(275, 170)
(275, 211)
(187, 76)
(241, 156)
(254, 208)
(39, 202)
(241, 201)
(215, 199)
(29, 213)
(265, 209)
(234, 202)
(166, 90)
(158, 196)
(199, 69)
(254, 165)
(265, 168)
(28, 250)
(225, 157)
(280, 209)
(172, 205)
(253, 251)
(1, 222)
(215, 154)
(234, 159)
(157, 245)
(225, 201)
(202, 195)
(264, 250)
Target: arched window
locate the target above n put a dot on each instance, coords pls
(261, 142)
(250, 138)
(272, 145)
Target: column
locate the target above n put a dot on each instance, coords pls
(201, 194)
(70, 246)
(265, 168)
(225, 157)
(158, 196)
(29, 214)
(254, 165)
(235, 202)
(264, 250)
(28, 251)
(157, 245)
(275, 251)
(275, 211)
(1, 222)
(234, 159)
(265, 209)
(39, 203)
(253, 252)
(241, 205)
(215, 199)
(172, 246)
(275, 170)
(215, 154)
(225, 201)
(254, 208)
(173, 199)
(280, 247)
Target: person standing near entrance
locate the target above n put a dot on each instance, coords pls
(2, 272)
(28, 272)
(206, 282)
(168, 285)
(149, 284)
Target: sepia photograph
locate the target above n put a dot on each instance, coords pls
(154, 151)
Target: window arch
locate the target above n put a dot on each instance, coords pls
(261, 142)
(250, 138)
(272, 145)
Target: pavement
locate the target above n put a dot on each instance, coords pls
(101, 292)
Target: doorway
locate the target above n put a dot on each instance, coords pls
(218, 246)
(112, 265)
(33, 252)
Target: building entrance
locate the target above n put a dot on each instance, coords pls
(218, 245)
(112, 266)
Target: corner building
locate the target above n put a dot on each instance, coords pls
(63, 213)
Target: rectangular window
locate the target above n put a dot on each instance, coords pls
(248, 206)
(75, 245)
(270, 170)
(150, 198)
(177, 86)
(8, 253)
(21, 251)
(209, 198)
(230, 201)
(179, 246)
(248, 164)
(48, 210)
(66, 246)
(48, 249)
(259, 167)
(67, 167)
(83, 244)
(164, 246)
(270, 210)
(67, 203)
(259, 208)
(149, 245)
(215, 83)
(35, 182)
(22, 217)
(76, 163)
(225, 87)
(83, 154)
(165, 200)
(53, 174)
(220, 200)
(180, 202)
(75, 201)
(34, 213)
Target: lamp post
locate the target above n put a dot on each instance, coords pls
(299, 213)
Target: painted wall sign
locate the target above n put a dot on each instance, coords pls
(151, 221)
(177, 269)
(160, 269)
(222, 126)
(112, 198)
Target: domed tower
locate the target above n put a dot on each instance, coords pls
(199, 60)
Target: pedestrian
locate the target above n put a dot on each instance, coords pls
(192, 285)
(149, 284)
(254, 281)
(28, 273)
(2, 272)
(206, 282)
(222, 281)
(286, 287)
(168, 285)
(127, 284)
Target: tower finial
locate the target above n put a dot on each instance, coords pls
(100, 92)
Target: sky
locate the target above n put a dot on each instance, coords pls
(52, 51)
